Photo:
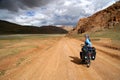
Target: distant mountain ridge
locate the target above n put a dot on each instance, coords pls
(11, 28)
(106, 18)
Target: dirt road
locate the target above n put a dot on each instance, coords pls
(61, 61)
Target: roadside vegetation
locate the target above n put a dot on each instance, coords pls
(15, 47)
(8, 42)
(113, 35)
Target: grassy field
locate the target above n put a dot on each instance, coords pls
(112, 34)
(20, 47)
(8, 43)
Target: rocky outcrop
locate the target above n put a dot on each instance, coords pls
(106, 18)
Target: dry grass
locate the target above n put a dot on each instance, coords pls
(110, 36)
(23, 42)
(18, 47)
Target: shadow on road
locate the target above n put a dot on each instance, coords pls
(75, 60)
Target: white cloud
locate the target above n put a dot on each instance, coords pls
(67, 3)
(60, 12)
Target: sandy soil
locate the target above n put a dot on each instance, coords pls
(61, 61)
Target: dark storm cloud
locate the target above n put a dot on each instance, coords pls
(56, 12)
(15, 5)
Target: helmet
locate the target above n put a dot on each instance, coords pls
(86, 35)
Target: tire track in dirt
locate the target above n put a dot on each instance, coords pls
(88, 73)
(62, 62)
(106, 66)
(34, 57)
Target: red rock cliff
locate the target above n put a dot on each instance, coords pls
(106, 18)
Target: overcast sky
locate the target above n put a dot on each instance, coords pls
(49, 12)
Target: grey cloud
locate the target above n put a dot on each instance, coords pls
(5, 15)
(15, 5)
(56, 13)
